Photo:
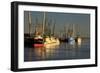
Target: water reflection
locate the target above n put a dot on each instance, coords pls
(58, 52)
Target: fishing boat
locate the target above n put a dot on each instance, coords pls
(38, 41)
(73, 36)
(71, 40)
(51, 41)
(68, 35)
(41, 41)
(78, 40)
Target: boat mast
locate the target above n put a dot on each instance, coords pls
(65, 30)
(49, 28)
(35, 27)
(44, 18)
(73, 30)
(54, 28)
(78, 30)
(30, 23)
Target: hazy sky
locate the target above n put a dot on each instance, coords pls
(80, 21)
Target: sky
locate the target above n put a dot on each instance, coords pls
(80, 21)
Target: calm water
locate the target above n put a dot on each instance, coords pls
(64, 51)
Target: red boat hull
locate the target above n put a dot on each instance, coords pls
(38, 45)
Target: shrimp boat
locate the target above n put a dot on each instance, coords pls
(38, 41)
(78, 38)
(72, 39)
(71, 36)
(41, 41)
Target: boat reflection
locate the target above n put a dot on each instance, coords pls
(75, 45)
(58, 52)
(45, 52)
